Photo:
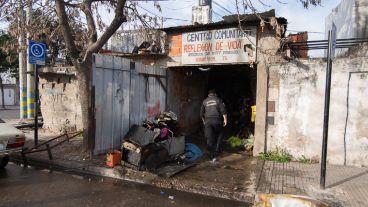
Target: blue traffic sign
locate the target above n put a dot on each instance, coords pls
(333, 49)
(36, 53)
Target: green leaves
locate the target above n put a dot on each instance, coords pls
(235, 142)
(278, 155)
(8, 55)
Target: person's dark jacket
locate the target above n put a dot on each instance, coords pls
(212, 107)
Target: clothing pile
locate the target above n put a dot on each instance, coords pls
(165, 125)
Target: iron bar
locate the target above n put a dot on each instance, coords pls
(318, 48)
(320, 44)
(326, 112)
(29, 151)
(49, 151)
(337, 40)
(24, 158)
(36, 105)
(37, 146)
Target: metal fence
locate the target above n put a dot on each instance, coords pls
(126, 93)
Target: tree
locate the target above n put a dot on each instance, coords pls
(251, 6)
(8, 60)
(77, 30)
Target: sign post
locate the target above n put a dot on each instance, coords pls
(37, 56)
(330, 56)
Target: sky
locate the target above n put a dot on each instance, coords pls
(299, 18)
(179, 12)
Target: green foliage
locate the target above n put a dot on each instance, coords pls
(306, 160)
(278, 155)
(235, 141)
(8, 57)
(249, 143)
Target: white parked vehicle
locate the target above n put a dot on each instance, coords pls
(11, 141)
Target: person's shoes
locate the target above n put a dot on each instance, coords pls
(214, 161)
(210, 156)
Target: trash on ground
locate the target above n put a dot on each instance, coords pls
(158, 146)
(173, 168)
(192, 152)
(113, 158)
(285, 200)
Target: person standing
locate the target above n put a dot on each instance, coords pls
(214, 117)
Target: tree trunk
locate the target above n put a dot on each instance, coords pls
(84, 76)
(2, 93)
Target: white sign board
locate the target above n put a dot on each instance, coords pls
(230, 45)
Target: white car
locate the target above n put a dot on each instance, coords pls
(12, 140)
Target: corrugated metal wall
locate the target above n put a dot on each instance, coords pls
(126, 93)
(187, 89)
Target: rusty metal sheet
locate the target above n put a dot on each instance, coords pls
(125, 94)
(186, 93)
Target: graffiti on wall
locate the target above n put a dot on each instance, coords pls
(152, 111)
(54, 94)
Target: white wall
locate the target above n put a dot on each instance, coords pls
(299, 94)
(351, 20)
(9, 97)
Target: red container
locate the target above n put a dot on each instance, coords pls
(113, 158)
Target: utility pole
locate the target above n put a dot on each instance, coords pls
(330, 55)
(22, 65)
(30, 68)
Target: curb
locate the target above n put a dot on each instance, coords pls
(77, 168)
(115, 174)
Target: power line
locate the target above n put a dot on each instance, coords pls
(219, 5)
(217, 14)
(232, 2)
(305, 31)
(179, 8)
(185, 20)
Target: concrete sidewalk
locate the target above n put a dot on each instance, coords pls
(238, 176)
(233, 178)
(345, 186)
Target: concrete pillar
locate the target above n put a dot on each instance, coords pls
(22, 67)
(22, 84)
(30, 78)
(267, 44)
(260, 142)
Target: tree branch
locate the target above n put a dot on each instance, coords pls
(66, 30)
(92, 32)
(111, 29)
(75, 5)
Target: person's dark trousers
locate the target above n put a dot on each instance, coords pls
(213, 133)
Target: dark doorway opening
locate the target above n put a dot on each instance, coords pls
(236, 86)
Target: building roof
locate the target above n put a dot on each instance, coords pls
(230, 20)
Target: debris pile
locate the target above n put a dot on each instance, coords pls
(165, 125)
(158, 146)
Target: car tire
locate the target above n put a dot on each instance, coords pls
(4, 161)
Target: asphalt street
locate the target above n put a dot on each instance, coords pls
(10, 112)
(44, 187)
